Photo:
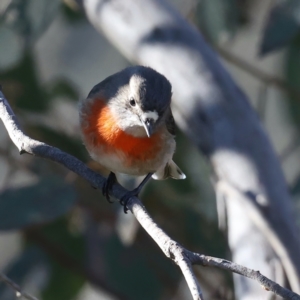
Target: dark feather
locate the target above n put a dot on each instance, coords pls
(170, 123)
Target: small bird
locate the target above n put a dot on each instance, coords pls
(127, 127)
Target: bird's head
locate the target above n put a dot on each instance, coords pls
(142, 100)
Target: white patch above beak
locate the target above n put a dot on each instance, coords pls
(150, 115)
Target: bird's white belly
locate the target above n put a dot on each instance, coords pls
(118, 161)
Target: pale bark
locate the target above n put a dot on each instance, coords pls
(213, 111)
(181, 256)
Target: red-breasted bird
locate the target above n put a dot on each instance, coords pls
(127, 126)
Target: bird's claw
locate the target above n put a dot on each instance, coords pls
(110, 181)
(124, 200)
(134, 193)
(105, 191)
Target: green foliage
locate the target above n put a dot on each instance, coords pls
(22, 23)
(64, 284)
(12, 47)
(38, 203)
(293, 77)
(31, 267)
(23, 87)
(62, 88)
(74, 15)
(295, 189)
(60, 140)
(132, 271)
(282, 26)
(30, 18)
(185, 209)
(218, 18)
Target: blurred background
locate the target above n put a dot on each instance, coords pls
(59, 237)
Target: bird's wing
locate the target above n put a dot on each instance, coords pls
(170, 123)
(171, 170)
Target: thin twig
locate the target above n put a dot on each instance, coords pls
(262, 101)
(258, 73)
(213, 111)
(27, 145)
(224, 264)
(267, 80)
(16, 287)
(289, 149)
(171, 248)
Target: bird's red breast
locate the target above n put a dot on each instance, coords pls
(102, 130)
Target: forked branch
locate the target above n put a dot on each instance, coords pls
(181, 256)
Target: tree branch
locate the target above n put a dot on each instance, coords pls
(27, 145)
(16, 287)
(257, 73)
(212, 110)
(182, 257)
(224, 264)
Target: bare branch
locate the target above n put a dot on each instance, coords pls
(168, 246)
(224, 264)
(212, 110)
(182, 257)
(16, 287)
(186, 268)
(27, 145)
(257, 73)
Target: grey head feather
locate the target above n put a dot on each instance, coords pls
(155, 90)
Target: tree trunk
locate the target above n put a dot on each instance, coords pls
(215, 114)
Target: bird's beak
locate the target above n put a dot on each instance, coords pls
(148, 125)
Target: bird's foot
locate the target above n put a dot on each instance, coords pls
(124, 200)
(110, 181)
(134, 193)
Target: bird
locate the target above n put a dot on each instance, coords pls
(127, 127)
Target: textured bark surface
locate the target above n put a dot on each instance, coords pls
(212, 110)
(173, 250)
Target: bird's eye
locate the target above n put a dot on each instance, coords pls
(132, 102)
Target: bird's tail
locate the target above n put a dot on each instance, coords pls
(171, 170)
